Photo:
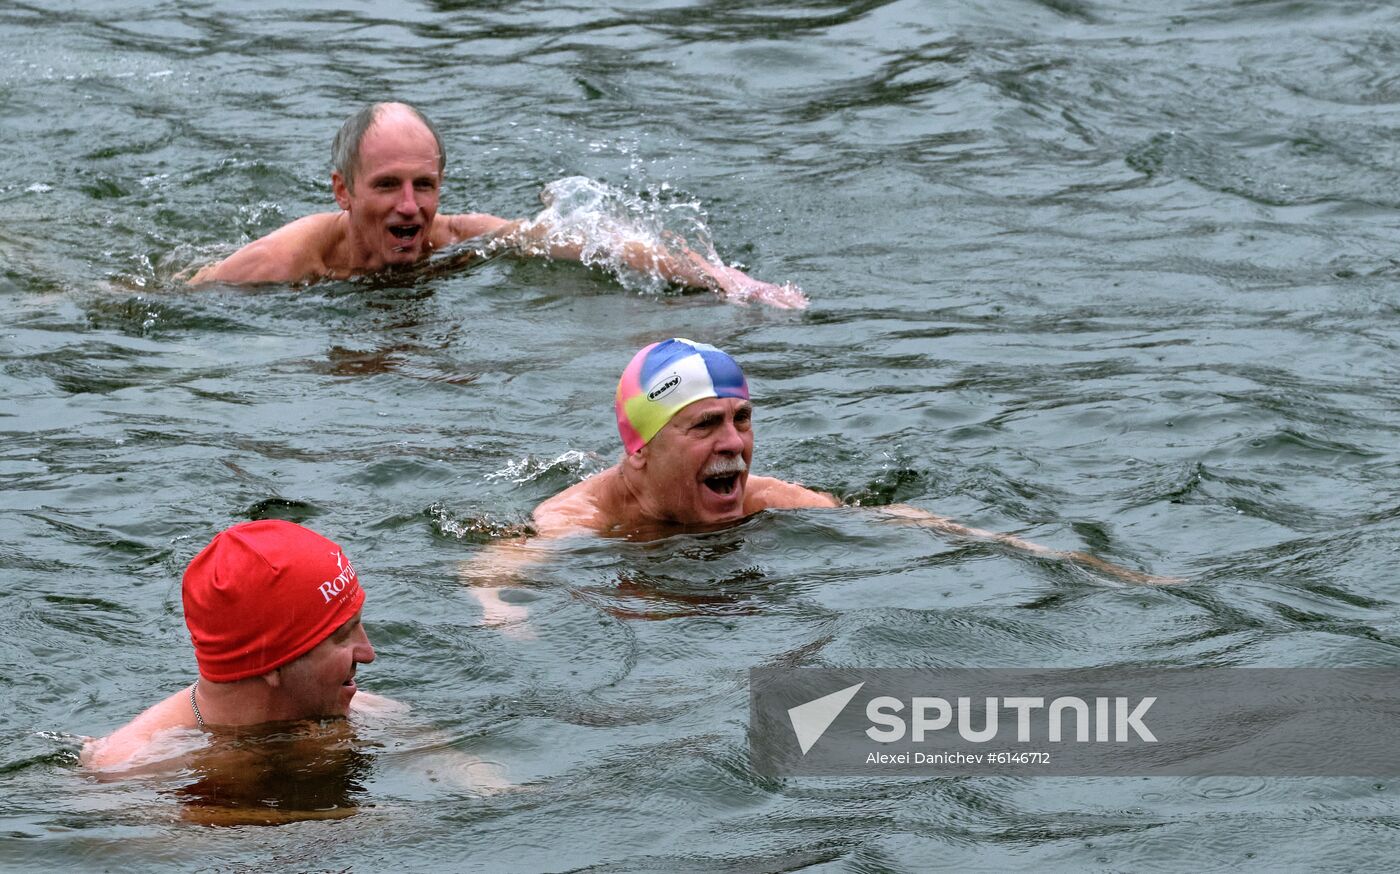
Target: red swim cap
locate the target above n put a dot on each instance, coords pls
(264, 593)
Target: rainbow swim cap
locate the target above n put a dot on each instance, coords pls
(665, 378)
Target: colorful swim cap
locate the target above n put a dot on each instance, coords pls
(665, 378)
(264, 593)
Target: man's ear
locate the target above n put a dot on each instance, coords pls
(273, 678)
(637, 460)
(342, 191)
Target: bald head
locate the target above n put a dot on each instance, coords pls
(345, 148)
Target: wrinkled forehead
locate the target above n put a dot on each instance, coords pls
(709, 408)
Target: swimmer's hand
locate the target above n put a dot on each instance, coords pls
(1084, 560)
(737, 286)
(1118, 572)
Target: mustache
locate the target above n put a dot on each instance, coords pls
(724, 467)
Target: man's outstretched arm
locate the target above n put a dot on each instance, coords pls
(674, 262)
(925, 519)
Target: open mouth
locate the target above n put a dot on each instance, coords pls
(724, 484)
(406, 233)
(721, 476)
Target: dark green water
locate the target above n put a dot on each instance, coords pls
(1117, 277)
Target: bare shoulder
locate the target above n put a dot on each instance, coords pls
(768, 493)
(133, 742)
(450, 229)
(291, 253)
(575, 510)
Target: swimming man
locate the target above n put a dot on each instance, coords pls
(388, 170)
(684, 415)
(273, 610)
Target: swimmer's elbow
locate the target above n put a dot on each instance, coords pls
(469, 226)
(230, 272)
(88, 755)
(775, 494)
(259, 261)
(206, 274)
(803, 498)
(556, 518)
(104, 754)
(561, 526)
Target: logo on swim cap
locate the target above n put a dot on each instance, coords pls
(330, 588)
(679, 373)
(664, 389)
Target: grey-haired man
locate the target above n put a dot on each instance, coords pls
(389, 163)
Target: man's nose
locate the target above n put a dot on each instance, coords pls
(730, 440)
(408, 204)
(364, 650)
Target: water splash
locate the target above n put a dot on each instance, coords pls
(599, 221)
(477, 528)
(573, 465)
(646, 241)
